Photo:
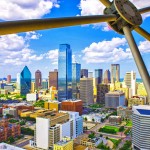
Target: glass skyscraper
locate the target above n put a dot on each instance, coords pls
(64, 72)
(84, 73)
(115, 73)
(25, 81)
(76, 74)
(99, 75)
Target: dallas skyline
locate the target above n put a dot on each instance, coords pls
(93, 46)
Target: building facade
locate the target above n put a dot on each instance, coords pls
(115, 73)
(114, 99)
(102, 89)
(25, 81)
(141, 127)
(84, 73)
(53, 79)
(72, 105)
(9, 79)
(106, 78)
(99, 75)
(76, 74)
(38, 79)
(86, 90)
(65, 72)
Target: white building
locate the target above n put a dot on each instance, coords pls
(77, 123)
(4, 146)
(141, 127)
(32, 97)
(18, 81)
(130, 81)
(11, 111)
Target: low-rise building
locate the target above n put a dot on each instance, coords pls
(92, 143)
(4, 91)
(4, 146)
(32, 97)
(52, 105)
(11, 111)
(115, 120)
(137, 100)
(65, 144)
(124, 112)
(114, 99)
(80, 147)
(8, 130)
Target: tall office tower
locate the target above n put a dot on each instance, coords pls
(99, 75)
(102, 89)
(53, 79)
(25, 81)
(32, 87)
(18, 81)
(115, 73)
(38, 79)
(8, 78)
(86, 90)
(114, 99)
(64, 72)
(141, 127)
(130, 81)
(106, 79)
(76, 74)
(72, 105)
(84, 73)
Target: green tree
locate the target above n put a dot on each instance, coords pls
(11, 140)
(85, 119)
(121, 129)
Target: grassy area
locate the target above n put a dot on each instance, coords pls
(115, 142)
(95, 106)
(127, 131)
(129, 123)
(109, 129)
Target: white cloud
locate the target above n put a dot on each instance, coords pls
(53, 56)
(15, 50)
(144, 47)
(25, 9)
(32, 35)
(95, 7)
(106, 51)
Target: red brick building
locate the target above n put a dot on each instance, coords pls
(7, 130)
(72, 105)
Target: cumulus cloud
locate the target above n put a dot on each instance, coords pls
(25, 9)
(95, 7)
(53, 56)
(144, 47)
(106, 51)
(15, 50)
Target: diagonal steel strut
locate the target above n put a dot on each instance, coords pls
(138, 60)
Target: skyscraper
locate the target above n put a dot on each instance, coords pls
(99, 75)
(38, 79)
(8, 78)
(90, 74)
(53, 78)
(65, 72)
(25, 81)
(86, 90)
(106, 79)
(18, 81)
(84, 73)
(115, 73)
(76, 74)
(130, 81)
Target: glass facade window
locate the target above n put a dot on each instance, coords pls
(25, 81)
(76, 74)
(99, 75)
(64, 72)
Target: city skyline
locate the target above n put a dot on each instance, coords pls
(39, 50)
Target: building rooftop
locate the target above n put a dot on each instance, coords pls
(80, 147)
(72, 100)
(4, 146)
(142, 110)
(115, 93)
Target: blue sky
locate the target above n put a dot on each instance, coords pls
(94, 46)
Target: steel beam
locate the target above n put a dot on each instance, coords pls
(106, 3)
(144, 10)
(138, 60)
(142, 32)
(10, 27)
